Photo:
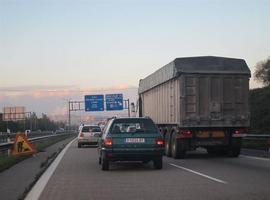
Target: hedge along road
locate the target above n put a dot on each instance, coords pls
(200, 176)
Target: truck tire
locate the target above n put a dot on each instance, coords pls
(222, 152)
(177, 152)
(234, 151)
(211, 150)
(158, 163)
(168, 151)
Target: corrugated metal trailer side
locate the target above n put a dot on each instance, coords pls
(207, 100)
(162, 102)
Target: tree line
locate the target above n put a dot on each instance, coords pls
(259, 100)
(34, 123)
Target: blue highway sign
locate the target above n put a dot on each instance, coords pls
(94, 102)
(114, 102)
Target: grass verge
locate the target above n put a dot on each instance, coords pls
(8, 161)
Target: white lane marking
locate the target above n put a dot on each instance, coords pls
(198, 173)
(36, 191)
(256, 158)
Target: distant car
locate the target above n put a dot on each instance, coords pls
(88, 135)
(59, 131)
(130, 139)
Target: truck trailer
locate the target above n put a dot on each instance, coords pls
(198, 102)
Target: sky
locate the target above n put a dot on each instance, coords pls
(53, 50)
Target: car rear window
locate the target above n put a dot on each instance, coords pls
(91, 129)
(133, 126)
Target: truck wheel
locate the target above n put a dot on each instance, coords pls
(211, 150)
(174, 146)
(104, 164)
(168, 151)
(222, 152)
(176, 152)
(234, 151)
(182, 154)
(158, 163)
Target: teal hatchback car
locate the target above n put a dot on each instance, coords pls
(130, 139)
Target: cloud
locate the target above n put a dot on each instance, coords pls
(55, 91)
(37, 91)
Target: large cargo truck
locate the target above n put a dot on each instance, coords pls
(198, 102)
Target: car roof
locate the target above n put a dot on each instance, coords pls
(131, 118)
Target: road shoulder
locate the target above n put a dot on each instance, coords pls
(18, 178)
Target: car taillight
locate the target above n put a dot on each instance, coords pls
(81, 135)
(160, 142)
(108, 142)
(186, 133)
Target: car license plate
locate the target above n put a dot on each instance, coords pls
(135, 140)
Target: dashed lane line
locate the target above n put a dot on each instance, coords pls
(198, 173)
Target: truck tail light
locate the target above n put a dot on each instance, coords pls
(186, 133)
(160, 142)
(238, 133)
(108, 142)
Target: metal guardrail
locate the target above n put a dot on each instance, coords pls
(257, 141)
(257, 135)
(4, 137)
(7, 145)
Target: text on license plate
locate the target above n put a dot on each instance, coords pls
(135, 140)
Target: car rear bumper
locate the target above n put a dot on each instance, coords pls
(87, 142)
(114, 155)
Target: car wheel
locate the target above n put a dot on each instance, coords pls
(104, 164)
(99, 160)
(79, 145)
(158, 163)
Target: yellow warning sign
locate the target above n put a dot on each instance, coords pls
(22, 146)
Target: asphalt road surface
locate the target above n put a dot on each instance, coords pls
(200, 176)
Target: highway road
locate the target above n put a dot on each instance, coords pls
(200, 176)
